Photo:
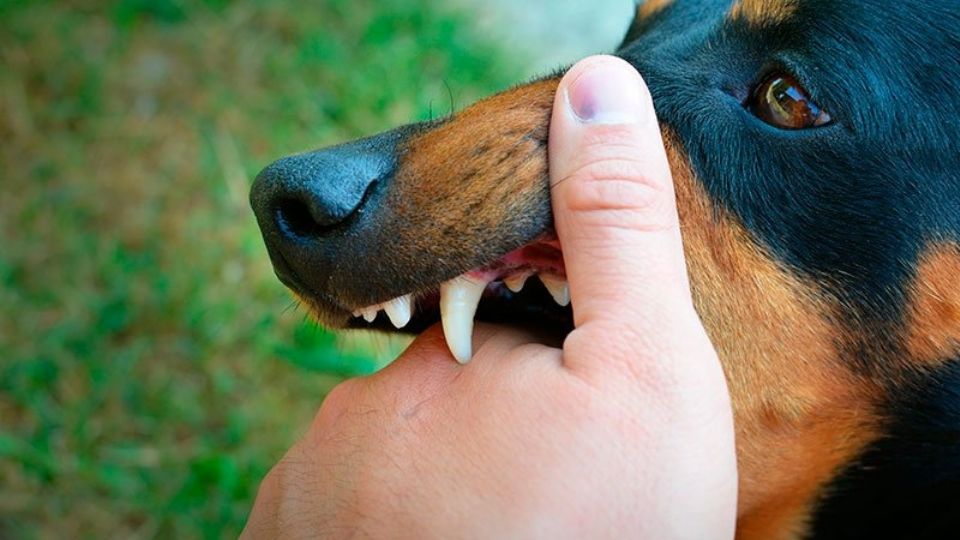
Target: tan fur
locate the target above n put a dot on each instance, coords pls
(933, 321)
(763, 12)
(800, 413)
(652, 7)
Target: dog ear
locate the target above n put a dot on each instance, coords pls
(632, 32)
(644, 14)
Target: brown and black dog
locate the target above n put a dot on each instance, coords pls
(815, 146)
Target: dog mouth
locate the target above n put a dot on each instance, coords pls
(526, 287)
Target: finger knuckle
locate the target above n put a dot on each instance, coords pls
(621, 191)
(336, 402)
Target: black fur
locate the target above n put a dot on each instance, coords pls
(906, 485)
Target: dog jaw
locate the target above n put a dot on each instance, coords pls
(460, 297)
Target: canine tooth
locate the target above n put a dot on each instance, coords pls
(399, 310)
(515, 282)
(370, 313)
(459, 298)
(558, 288)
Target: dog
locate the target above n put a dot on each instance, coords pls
(815, 148)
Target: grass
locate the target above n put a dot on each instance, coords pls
(152, 369)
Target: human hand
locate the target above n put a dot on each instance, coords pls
(626, 431)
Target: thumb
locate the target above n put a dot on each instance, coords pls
(615, 212)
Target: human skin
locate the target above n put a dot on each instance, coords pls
(625, 431)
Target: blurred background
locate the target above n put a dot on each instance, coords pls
(152, 368)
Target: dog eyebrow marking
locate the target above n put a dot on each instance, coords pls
(763, 12)
(933, 318)
(650, 8)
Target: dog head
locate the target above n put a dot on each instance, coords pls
(814, 146)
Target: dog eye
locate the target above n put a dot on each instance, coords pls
(781, 102)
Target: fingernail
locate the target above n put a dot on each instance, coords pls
(607, 93)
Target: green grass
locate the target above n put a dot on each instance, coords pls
(151, 367)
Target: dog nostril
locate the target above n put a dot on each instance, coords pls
(294, 219)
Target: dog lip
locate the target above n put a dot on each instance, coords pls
(539, 257)
(285, 272)
(502, 302)
(321, 303)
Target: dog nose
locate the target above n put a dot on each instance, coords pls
(306, 199)
(303, 197)
(307, 204)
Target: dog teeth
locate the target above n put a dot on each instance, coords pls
(370, 313)
(459, 298)
(515, 282)
(399, 310)
(558, 288)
